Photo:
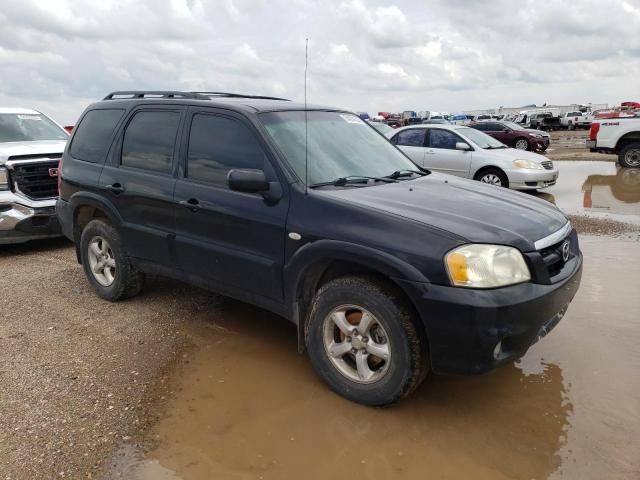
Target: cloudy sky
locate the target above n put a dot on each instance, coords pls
(60, 55)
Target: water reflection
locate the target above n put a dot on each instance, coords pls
(249, 406)
(613, 193)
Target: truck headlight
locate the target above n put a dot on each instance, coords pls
(530, 164)
(486, 266)
(4, 179)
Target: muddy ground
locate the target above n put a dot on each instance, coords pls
(182, 384)
(571, 145)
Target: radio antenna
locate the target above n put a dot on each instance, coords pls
(306, 122)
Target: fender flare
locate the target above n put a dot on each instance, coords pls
(88, 199)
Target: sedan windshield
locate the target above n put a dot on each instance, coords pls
(29, 128)
(512, 125)
(481, 139)
(340, 145)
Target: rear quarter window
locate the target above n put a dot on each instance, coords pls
(92, 137)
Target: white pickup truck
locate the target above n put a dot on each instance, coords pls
(573, 120)
(617, 135)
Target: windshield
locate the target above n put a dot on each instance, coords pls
(28, 128)
(339, 145)
(481, 139)
(512, 125)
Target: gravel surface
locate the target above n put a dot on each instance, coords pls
(603, 226)
(75, 370)
(571, 145)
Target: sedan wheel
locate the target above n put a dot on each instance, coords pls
(102, 261)
(522, 144)
(357, 344)
(491, 178)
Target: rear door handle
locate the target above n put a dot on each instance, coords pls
(430, 152)
(192, 204)
(115, 188)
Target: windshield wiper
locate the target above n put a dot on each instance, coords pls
(490, 147)
(352, 179)
(406, 173)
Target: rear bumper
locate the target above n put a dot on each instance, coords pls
(22, 219)
(475, 331)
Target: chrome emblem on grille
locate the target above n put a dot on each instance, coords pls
(565, 250)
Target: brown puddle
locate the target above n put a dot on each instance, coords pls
(247, 406)
(596, 188)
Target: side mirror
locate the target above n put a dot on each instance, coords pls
(247, 180)
(463, 146)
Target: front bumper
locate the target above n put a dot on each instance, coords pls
(22, 219)
(475, 331)
(539, 144)
(524, 179)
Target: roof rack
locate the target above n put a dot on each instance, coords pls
(239, 95)
(131, 94)
(127, 94)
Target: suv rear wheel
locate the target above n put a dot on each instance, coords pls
(106, 264)
(365, 342)
(630, 156)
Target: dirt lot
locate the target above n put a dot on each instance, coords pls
(182, 384)
(571, 145)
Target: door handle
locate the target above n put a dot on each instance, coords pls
(430, 152)
(192, 204)
(115, 188)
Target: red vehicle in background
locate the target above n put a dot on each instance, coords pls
(626, 109)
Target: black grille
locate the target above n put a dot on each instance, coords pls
(35, 180)
(548, 164)
(552, 258)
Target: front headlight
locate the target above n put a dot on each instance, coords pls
(486, 266)
(4, 179)
(530, 164)
(535, 135)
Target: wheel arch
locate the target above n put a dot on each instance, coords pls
(320, 262)
(87, 207)
(626, 139)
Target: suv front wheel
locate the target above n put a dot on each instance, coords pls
(106, 264)
(365, 341)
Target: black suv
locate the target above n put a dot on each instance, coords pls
(389, 271)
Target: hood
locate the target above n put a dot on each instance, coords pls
(468, 209)
(510, 154)
(13, 149)
(537, 132)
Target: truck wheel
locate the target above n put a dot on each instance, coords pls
(492, 176)
(571, 126)
(106, 264)
(521, 144)
(630, 155)
(365, 342)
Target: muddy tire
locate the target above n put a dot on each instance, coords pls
(106, 264)
(365, 341)
(629, 156)
(493, 176)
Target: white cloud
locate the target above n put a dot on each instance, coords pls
(375, 55)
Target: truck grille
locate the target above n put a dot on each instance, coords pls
(548, 165)
(34, 179)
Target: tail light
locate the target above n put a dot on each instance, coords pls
(593, 133)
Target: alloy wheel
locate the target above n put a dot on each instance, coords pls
(357, 344)
(102, 261)
(632, 157)
(522, 144)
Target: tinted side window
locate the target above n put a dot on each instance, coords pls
(480, 126)
(219, 144)
(149, 141)
(443, 139)
(494, 127)
(410, 138)
(93, 136)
